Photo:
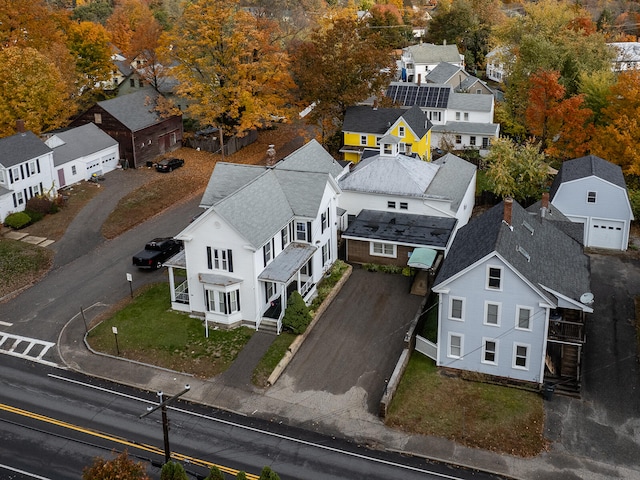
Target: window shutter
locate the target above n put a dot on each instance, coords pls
(11, 175)
(238, 298)
(227, 304)
(22, 171)
(38, 164)
(264, 255)
(209, 262)
(309, 232)
(15, 202)
(230, 257)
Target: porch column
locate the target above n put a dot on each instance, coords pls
(172, 285)
(298, 280)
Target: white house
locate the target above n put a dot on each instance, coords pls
(395, 203)
(462, 120)
(513, 294)
(80, 152)
(496, 65)
(627, 56)
(592, 191)
(418, 60)
(26, 170)
(266, 232)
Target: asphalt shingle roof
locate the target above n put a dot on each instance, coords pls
(135, 110)
(587, 166)
(452, 179)
(429, 53)
(20, 148)
(80, 142)
(555, 260)
(365, 119)
(443, 72)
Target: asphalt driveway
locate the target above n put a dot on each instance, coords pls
(604, 425)
(359, 338)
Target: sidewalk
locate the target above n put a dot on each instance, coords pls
(340, 415)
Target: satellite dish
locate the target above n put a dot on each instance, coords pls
(586, 298)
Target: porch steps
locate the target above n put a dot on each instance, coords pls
(569, 361)
(268, 325)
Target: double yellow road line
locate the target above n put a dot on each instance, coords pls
(121, 441)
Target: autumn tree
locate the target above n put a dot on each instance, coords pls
(97, 11)
(173, 471)
(551, 36)
(336, 68)
(596, 89)
(41, 100)
(562, 125)
(231, 64)
(89, 44)
(517, 171)
(120, 467)
(125, 20)
(618, 140)
(387, 21)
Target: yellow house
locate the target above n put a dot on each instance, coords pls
(365, 126)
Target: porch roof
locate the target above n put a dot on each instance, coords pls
(217, 279)
(177, 261)
(290, 260)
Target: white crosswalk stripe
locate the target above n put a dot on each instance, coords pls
(25, 347)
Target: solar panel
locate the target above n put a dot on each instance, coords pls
(444, 98)
(392, 91)
(411, 97)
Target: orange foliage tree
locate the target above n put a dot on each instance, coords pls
(561, 124)
(618, 140)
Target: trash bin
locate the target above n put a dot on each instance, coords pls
(547, 391)
(149, 164)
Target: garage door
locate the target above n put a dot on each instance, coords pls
(606, 234)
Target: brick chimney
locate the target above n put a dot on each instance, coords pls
(271, 156)
(508, 207)
(544, 207)
(20, 126)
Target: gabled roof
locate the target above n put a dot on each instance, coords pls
(452, 179)
(20, 148)
(425, 96)
(135, 110)
(443, 72)
(391, 175)
(472, 128)
(311, 157)
(574, 229)
(258, 201)
(532, 246)
(428, 53)
(378, 121)
(471, 102)
(79, 142)
(589, 166)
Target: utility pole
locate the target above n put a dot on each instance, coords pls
(165, 420)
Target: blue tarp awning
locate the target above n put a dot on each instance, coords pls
(422, 257)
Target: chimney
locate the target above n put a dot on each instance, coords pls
(544, 207)
(20, 126)
(271, 156)
(508, 207)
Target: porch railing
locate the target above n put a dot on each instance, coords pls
(182, 292)
(567, 331)
(304, 289)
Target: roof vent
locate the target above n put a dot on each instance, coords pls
(528, 227)
(524, 253)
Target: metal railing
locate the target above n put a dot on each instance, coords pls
(182, 292)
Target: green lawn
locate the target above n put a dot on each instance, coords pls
(271, 359)
(149, 332)
(21, 264)
(476, 414)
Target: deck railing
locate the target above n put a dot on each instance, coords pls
(182, 292)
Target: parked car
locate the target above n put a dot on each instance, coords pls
(156, 252)
(169, 164)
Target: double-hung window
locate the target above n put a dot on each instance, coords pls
(284, 236)
(401, 132)
(490, 351)
(523, 321)
(326, 253)
(591, 197)
(226, 303)
(324, 220)
(456, 308)
(521, 356)
(219, 259)
(363, 139)
(267, 252)
(455, 345)
(301, 231)
(494, 278)
(492, 314)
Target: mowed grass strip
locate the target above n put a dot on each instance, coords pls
(149, 332)
(270, 360)
(487, 416)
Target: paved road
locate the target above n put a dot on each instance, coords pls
(96, 278)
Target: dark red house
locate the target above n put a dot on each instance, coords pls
(134, 121)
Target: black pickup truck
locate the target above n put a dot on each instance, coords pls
(156, 252)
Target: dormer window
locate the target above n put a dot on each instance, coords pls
(591, 197)
(363, 139)
(401, 132)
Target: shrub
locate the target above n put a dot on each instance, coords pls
(17, 220)
(173, 471)
(241, 475)
(34, 216)
(268, 474)
(215, 474)
(296, 317)
(39, 204)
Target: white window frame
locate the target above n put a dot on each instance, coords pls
(391, 204)
(466, 116)
(326, 253)
(592, 196)
(458, 116)
(404, 206)
(220, 259)
(516, 356)
(485, 351)
(530, 310)
(460, 299)
(19, 197)
(16, 174)
(486, 314)
(269, 290)
(222, 298)
(472, 140)
(450, 353)
(302, 231)
(363, 140)
(284, 236)
(500, 278)
(2, 177)
(73, 170)
(267, 252)
(458, 139)
(381, 249)
(32, 167)
(401, 131)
